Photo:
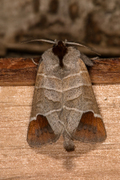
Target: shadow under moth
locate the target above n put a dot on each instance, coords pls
(64, 102)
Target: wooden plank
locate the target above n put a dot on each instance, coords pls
(17, 71)
(22, 71)
(87, 162)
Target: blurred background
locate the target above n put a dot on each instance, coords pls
(95, 23)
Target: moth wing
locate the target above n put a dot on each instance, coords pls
(40, 132)
(86, 60)
(90, 129)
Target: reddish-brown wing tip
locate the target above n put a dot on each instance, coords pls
(40, 132)
(90, 129)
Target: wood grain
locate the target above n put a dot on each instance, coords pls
(22, 71)
(87, 162)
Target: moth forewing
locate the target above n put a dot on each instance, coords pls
(43, 108)
(91, 127)
(64, 101)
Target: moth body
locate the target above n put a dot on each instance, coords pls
(64, 101)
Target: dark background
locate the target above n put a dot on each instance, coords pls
(95, 23)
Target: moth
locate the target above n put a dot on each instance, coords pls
(64, 102)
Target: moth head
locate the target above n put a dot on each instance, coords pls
(60, 49)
